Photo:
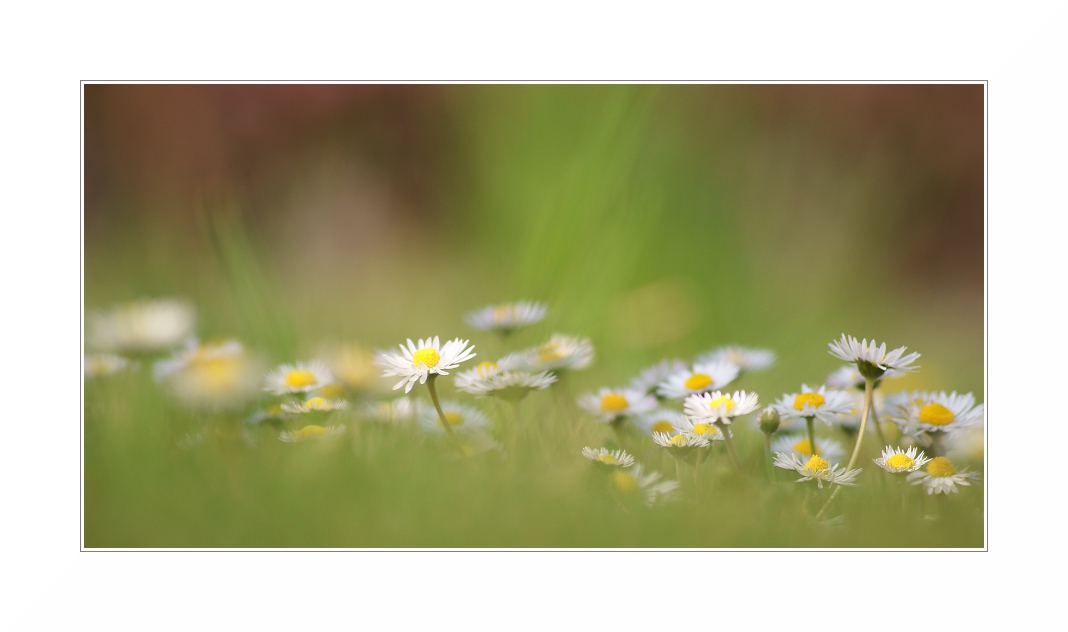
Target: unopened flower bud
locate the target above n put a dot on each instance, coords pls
(769, 421)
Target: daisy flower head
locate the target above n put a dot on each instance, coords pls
(634, 483)
(872, 360)
(399, 410)
(473, 444)
(210, 375)
(681, 444)
(649, 378)
(500, 379)
(709, 408)
(702, 428)
(104, 364)
(141, 326)
(461, 418)
(611, 404)
(938, 412)
(352, 365)
(895, 460)
(743, 358)
(816, 468)
(608, 458)
(849, 376)
(312, 433)
(799, 445)
(300, 377)
(314, 405)
(701, 378)
(417, 362)
(660, 420)
(823, 404)
(560, 353)
(941, 476)
(507, 317)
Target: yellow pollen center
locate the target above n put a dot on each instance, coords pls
(899, 461)
(550, 352)
(613, 403)
(814, 399)
(332, 390)
(804, 447)
(428, 356)
(936, 415)
(941, 467)
(309, 431)
(606, 458)
(484, 368)
(315, 403)
(454, 418)
(501, 312)
(678, 440)
(816, 464)
(698, 381)
(299, 378)
(703, 429)
(722, 401)
(663, 426)
(625, 482)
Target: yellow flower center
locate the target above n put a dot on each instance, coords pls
(936, 415)
(217, 375)
(899, 461)
(316, 403)
(816, 464)
(814, 399)
(663, 426)
(804, 447)
(454, 418)
(501, 312)
(703, 429)
(428, 356)
(332, 390)
(698, 381)
(722, 401)
(309, 431)
(299, 378)
(550, 352)
(607, 459)
(678, 440)
(485, 368)
(625, 482)
(941, 467)
(613, 403)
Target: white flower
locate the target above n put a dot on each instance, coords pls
(716, 406)
(417, 362)
(400, 410)
(352, 365)
(896, 460)
(798, 445)
(102, 364)
(500, 380)
(475, 443)
(312, 433)
(461, 418)
(210, 375)
(141, 326)
(941, 476)
(702, 428)
(700, 379)
(561, 352)
(634, 483)
(654, 375)
(934, 412)
(660, 420)
(683, 442)
(300, 377)
(609, 404)
(872, 360)
(507, 317)
(602, 456)
(741, 357)
(816, 468)
(825, 405)
(314, 405)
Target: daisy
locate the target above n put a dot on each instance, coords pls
(702, 428)
(816, 468)
(604, 457)
(849, 376)
(660, 420)
(475, 443)
(352, 365)
(498, 379)
(938, 412)
(103, 364)
(799, 445)
(741, 357)
(872, 360)
(634, 483)
(609, 405)
(719, 407)
(210, 375)
(400, 410)
(417, 362)
(941, 476)
(507, 317)
(461, 418)
(560, 353)
(141, 326)
(315, 405)
(895, 460)
(825, 405)
(681, 444)
(300, 377)
(311, 433)
(654, 375)
(700, 379)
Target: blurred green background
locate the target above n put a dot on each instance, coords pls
(657, 220)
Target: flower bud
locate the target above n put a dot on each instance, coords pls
(769, 421)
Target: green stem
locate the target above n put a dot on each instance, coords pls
(811, 423)
(767, 454)
(875, 421)
(868, 387)
(730, 446)
(697, 473)
(441, 414)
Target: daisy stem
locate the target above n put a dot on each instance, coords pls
(437, 406)
(811, 423)
(697, 473)
(730, 446)
(678, 469)
(767, 454)
(875, 421)
(868, 388)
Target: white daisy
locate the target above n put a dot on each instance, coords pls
(941, 476)
(312, 433)
(605, 457)
(417, 362)
(103, 364)
(660, 420)
(849, 376)
(702, 428)
(681, 444)
(352, 365)
(400, 410)
(560, 353)
(633, 482)
(816, 468)
(507, 317)
(823, 404)
(654, 375)
(609, 404)
(799, 445)
(895, 460)
(699, 379)
(315, 405)
(141, 326)
(300, 377)
(461, 418)
(471, 444)
(872, 360)
(500, 380)
(716, 406)
(741, 357)
(939, 412)
(210, 375)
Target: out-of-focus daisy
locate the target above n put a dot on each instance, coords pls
(941, 476)
(702, 428)
(417, 362)
(499, 379)
(461, 418)
(719, 407)
(816, 468)
(400, 410)
(799, 445)
(871, 359)
(939, 412)
(660, 420)
(507, 317)
(681, 444)
(103, 364)
(966, 445)
(634, 483)
(699, 379)
(743, 358)
(849, 376)
(649, 378)
(267, 414)
(300, 377)
(561, 353)
(353, 366)
(470, 444)
(212, 374)
(609, 404)
(315, 405)
(606, 457)
(311, 433)
(823, 404)
(141, 326)
(895, 460)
